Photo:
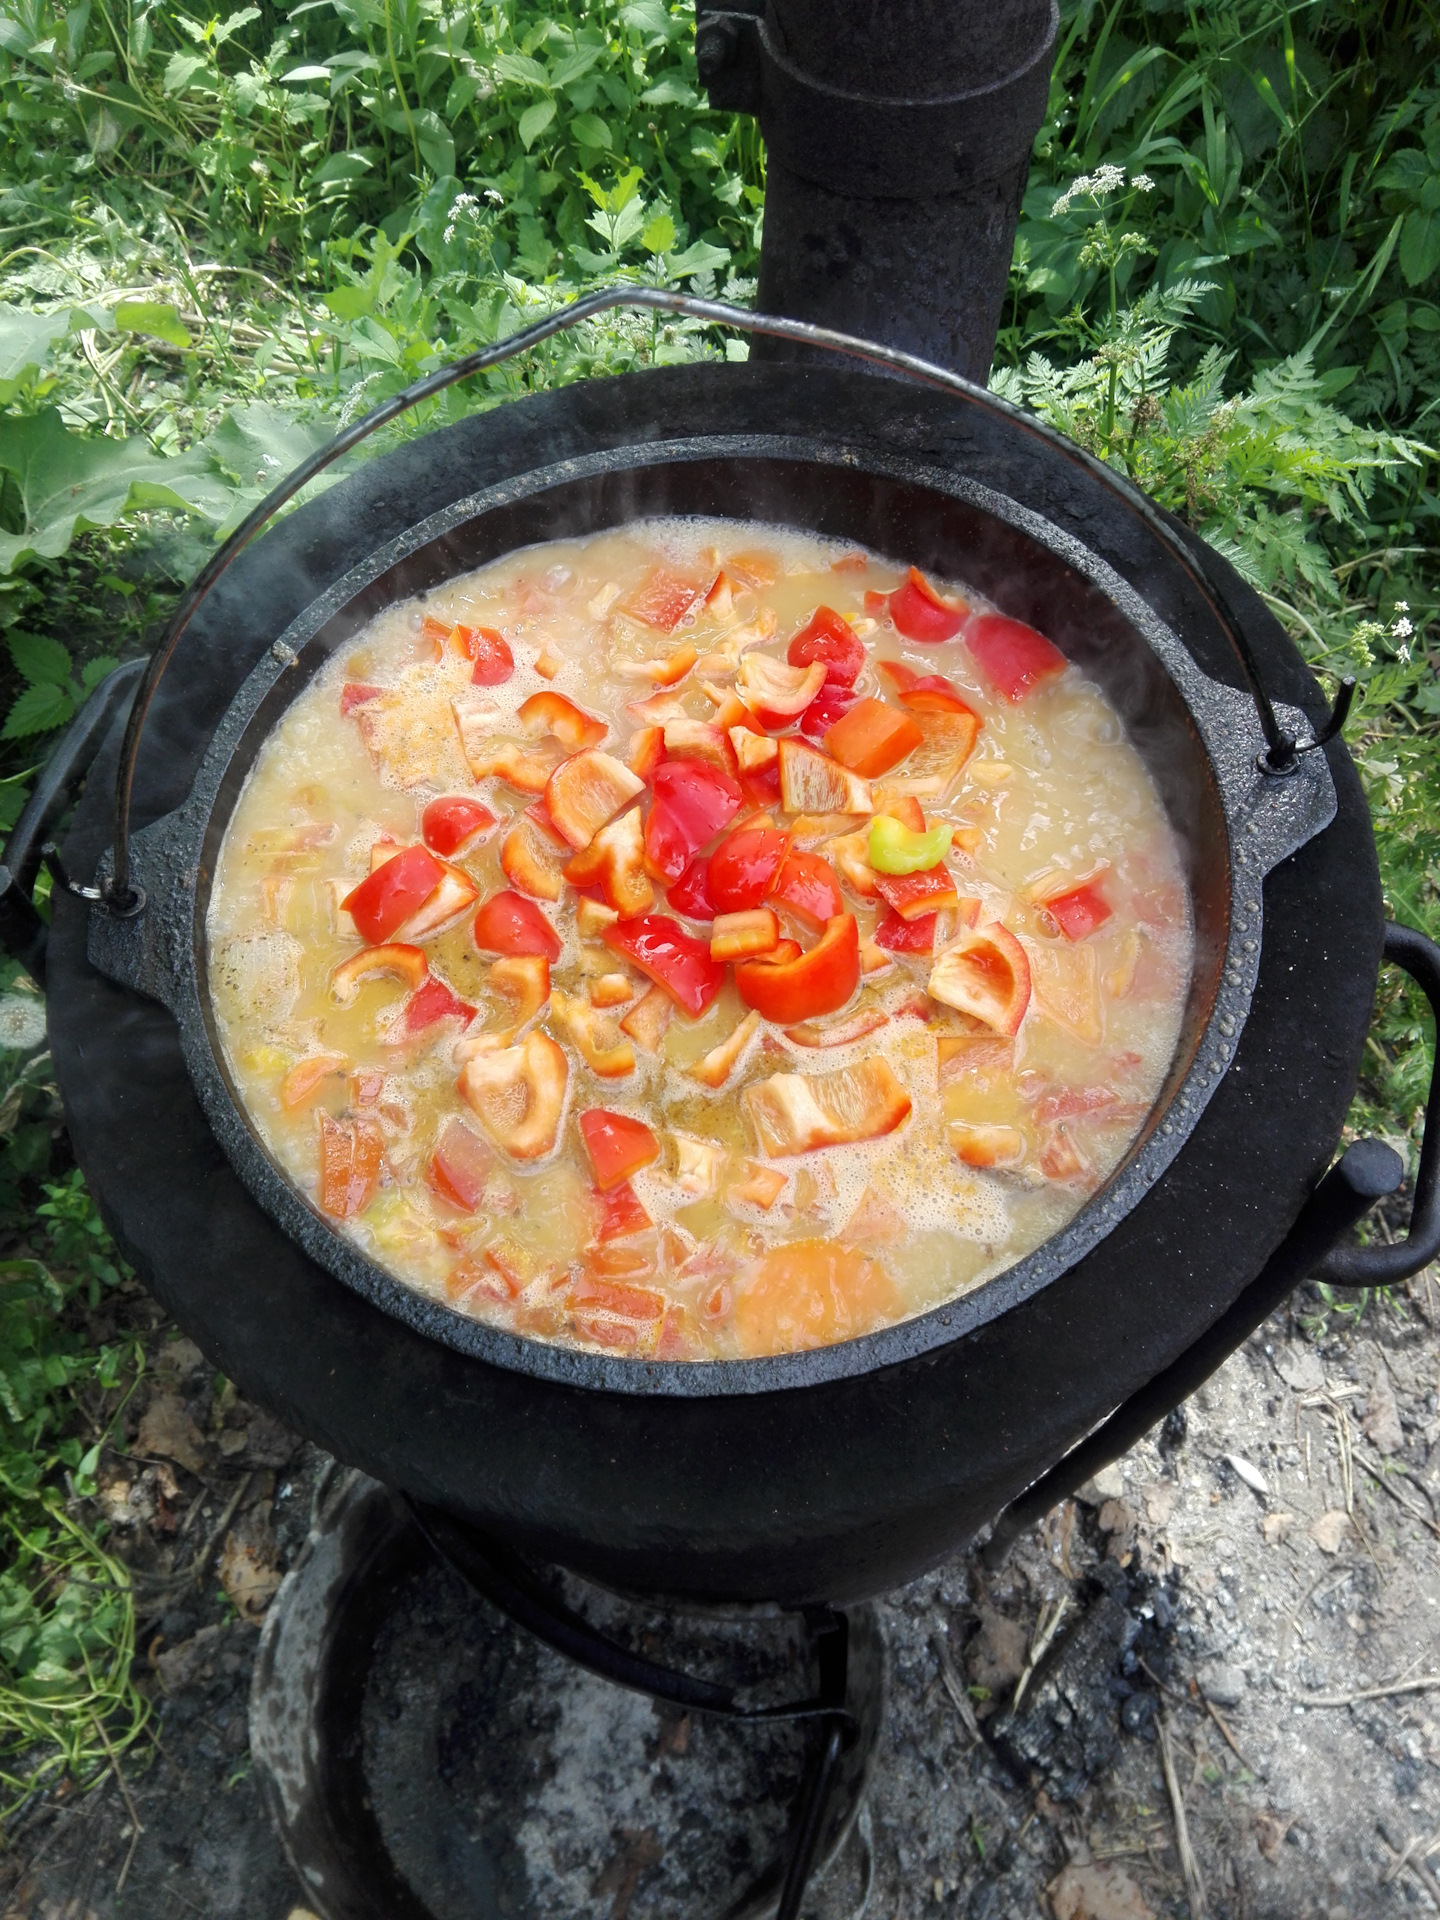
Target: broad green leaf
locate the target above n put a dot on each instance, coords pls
(257, 445)
(670, 92)
(659, 235)
(589, 130)
(1419, 254)
(27, 341)
(38, 710)
(307, 73)
(39, 659)
(699, 256)
(340, 166)
(234, 24)
(520, 70)
(71, 483)
(150, 316)
(573, 67)
(94, 671)
(534, 121)
(13, 37)
(437, 147)
(181, 69)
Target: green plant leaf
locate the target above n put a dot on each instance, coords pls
(534, 121)
(589, 130)
(94, 671)
(38, 710)
(183, 68)
(28, 340)
(152, 317)
(39, 659)
(659, 234)
(1419, 253)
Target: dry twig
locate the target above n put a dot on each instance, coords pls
(1189, 1865)
(955, 1688)
(1422, 1684)
(1407, 1861)
(1046, 1628)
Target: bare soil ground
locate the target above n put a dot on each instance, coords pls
(1226, 1656)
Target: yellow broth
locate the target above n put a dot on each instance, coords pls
(737, 1251)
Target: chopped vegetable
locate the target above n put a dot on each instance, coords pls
(843, 1033)
(833, 642)
(949, 740)
(662, 599)
(489, 650)
(648, 1018)
(1013, 657)
(897, 935)
(586, 791)
(621, 1216)
(524, 981)
(896, 848)
(717, 1065)
(811, 1293)
(795, 1112)
(612, 1059)
(761, 1187)
(306, 1075)
(987, 1145)
(913, 895)
(353, 695)
(660, 673)
(693, 802)
(826, 710)
(349, 1166)
(612, 990)
(806, 886)
(397, 961)
(739, 936)
(849, 855)
(386, 899)
(518, 1094)
(509, 923)
(753, 751)
(1060, 1158)
(920, 614)
(618, 1146)
(1067, 987)
(455, 895)
(820, 981)
(690, 894)
(460, 1165)
(1079, 911)
(551, 712)
(453, 823)
(812, 782)
(665, 953)
(698, 1164)
(646, 751)
(872, 738)
(615, 860)
(433, 1002)
(743, 867)
(778, 692)
(698, 740)
(984, 973)
(530, 862)
(923, 692)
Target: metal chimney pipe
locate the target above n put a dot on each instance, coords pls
(898, 137)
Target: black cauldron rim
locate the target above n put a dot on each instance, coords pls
(162, 951)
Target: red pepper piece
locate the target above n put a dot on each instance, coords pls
(920, 614)
(434, 1001)
(906, 936)
(494, 662)
(459, 1166)
(450, 823)
(388, 897)
(820, 981)
(618, 1146)
(674, 959)
(832, 703)
(1080, 911)
(808, 886)
(662, 599)
(923, 692)
(353, 694)
(832, 641)
(913, 895)
(1012, 656)
(690, 895)
(349, 1165)
(623, 1213)
(693, 802)
(743, 868)
(509, 923)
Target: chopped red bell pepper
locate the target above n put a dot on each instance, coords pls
(494, 662)
(353, 694)
(1012, 656)
(832, 703)
(872, 738)
(920, 614)
(905, 936)
(914, 895)
(450, 823)
(349, 1165)
(1080, 911)
(923, 692)
(435, 1001)
(386, 899)
(807, 884)
(820, 981)
(618, 1146)
(509, 923)
(623, 1213)
(743, 868)
(663, 599)
(459, 1166)
(689, 894)
(674, 959)
(693, 802)
(833, 642)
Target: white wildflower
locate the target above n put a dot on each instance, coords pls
(1402, 628)
(1143, 182)
(22, 1023)
(1403, 653)
(1402, 606)
(1096, 185)
(495, 199)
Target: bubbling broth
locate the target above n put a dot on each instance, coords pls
(698, 941)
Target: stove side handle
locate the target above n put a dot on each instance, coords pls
(1385, 1266)
(23, 932)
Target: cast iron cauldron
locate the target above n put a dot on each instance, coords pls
(824, 1475)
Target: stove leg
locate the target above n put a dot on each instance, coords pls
(814, 1799)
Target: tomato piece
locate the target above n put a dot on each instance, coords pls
(905, 936)
(872, 738)
(808, 885)
(622, 1215)
(832, 703)
(693, 802)
(920, 614)
(432, 1002)
(1012, 656)
(690, 895)
(834, 643)
(743, 868)
(509, 923)
(674, 959)
(1079, 912)
(663, 599)
(913, 895)
(451, 823)
(618, 1146)
(459, 1166)
(353, 694)
(349, 1166)
(395, 890)
(820, 981)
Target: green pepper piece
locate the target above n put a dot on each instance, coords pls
(896, 848)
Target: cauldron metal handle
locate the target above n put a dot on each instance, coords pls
(23, 933)
(1282, 749)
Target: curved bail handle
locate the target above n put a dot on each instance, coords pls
(1282, 750)
(1381, 1266)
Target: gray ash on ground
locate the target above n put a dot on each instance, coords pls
(1276, 1549)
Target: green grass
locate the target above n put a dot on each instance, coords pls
(221, 234)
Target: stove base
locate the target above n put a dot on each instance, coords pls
(424, 1758)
